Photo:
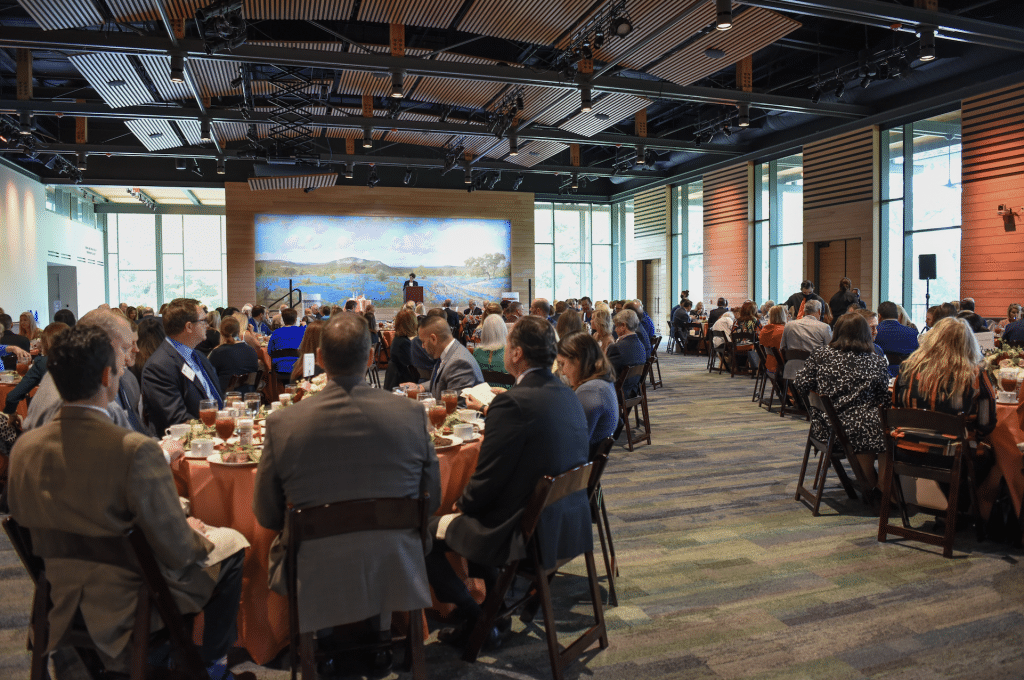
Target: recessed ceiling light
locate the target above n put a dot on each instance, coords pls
(154, 135)
(532, 153)
(117, 82)
(601, 116)
(714, 53)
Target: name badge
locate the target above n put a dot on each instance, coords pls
(188, 372)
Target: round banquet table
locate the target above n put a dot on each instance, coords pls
(1009, 432)
(223, 495)
(7, 388)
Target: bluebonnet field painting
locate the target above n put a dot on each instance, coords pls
(341, 257)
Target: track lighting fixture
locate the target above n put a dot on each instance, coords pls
(865, 82)
(179, 164)
(469, 176)
(221, 168)
(697, 140)
(575, 181)
(744, 115)
(816, 96)
(367, 139)
(397, 89)
(492, 180)
(372, 180)
(513, 144)
(727, 129)
(640, 155)
(204, 131)
(26, 123)
(927, 35)
(237, 81)
(407, 179)
(840, 89)
(586, 98)
(348, 171)
(622, 26)
(83, 163)
(723, 9)
(177, 68)
(518, 183)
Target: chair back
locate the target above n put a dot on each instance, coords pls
(550, 490)
(796, 354)
(895, 358)
(696, 329)
(599, 457)
(630, 372)
(743, 338)
(762, 355)
(499, 378)
(655, 341)
(241, 379)
(825, 405)
(932, 429)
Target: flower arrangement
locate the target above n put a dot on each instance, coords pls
(309, 387)
(1008, 357)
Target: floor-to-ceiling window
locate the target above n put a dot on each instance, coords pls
(573, 250)
(688, 240)
(152, 259)
(778, 228)
(623, 255)
(920, 212)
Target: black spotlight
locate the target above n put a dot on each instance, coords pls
(816, 96)
(865, 82)
(367, 139)
(723, 9)
(744, 115)
(83, 162)
(26, 123)
(622, 26)
(397, 90)
(177, 68)
(348, 171)
(372, 180)
(640, 154)
(513, 145)
(221, 167)
(518, 183)
(586, 99)
(407, 179)
(598, 38)
(179, 164)
(468, 179)
(204, 131)
(840, 90)
(927, 35)
(575, 181)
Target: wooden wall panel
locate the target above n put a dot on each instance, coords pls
(651, 241)
(992, 258)
(841, 203)
(242, 205)
(727, 226)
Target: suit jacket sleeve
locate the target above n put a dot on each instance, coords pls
(430, 482)
(268, 502)
(154, 501)
(460, 374)
(506, 434)
(162, 391)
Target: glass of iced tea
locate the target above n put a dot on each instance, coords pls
(437, 414)
(413, 391)
(225, 425)
(451, 400)
(1008, 379)
(208, 412)
(232, 397)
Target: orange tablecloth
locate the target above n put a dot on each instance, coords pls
(7, 388)
(222, 496)
(1009, 432)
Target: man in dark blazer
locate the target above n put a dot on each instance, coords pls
(12, 339)
(534, 429)
(456, 368)
(627, 350)
(349, 442)
(472, 309)
(452, 316)
(722, 308)
(176, 377)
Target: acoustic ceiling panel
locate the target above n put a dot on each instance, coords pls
(422, 138)
(158, 68)
(214, 77)
(538, 100)
(459, 92)
(52, 15)
(534, 21)
(114, 78)
(155, 134)
(613, 108)
(751, 31)
(431, 13)
(294, 182)
(535, 152)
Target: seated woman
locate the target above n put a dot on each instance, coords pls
(233, 357)
(748, 323)
(1012, 314)
(37, 370)
(601, 323)
(771, 335)
(371, 321)
(592, 377)
(400, 354)
(212, 334)
(848, 372)
(986, 338)
(310, 343)
(490, 353)
(569, 321)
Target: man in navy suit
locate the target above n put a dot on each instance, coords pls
(627, 350)
(896, 340)
(176, 377)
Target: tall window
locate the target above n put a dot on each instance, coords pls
(623, 254)
(778, 228)
(688, 240)
(152, 259)
(573, 250)
(921, 212)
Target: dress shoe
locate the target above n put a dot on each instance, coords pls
(458, 636)
(381, 662)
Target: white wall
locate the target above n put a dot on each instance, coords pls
(28, 232)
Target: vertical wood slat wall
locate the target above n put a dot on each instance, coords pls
(840, 203)
(993, 174)
(651, 236)
(727, 223)
(242, 206)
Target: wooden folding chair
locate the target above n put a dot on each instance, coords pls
(372, 371)
(720, 352)
(741, 339)
(634, 405)
(599, 515)
(786, 393)
(242, 379)
(695, 331)
(761, 374)
(383, 355)
(346, 517)
(828, 454)
(924, 445)
(548, 491)
(499, 378)
(655, 382)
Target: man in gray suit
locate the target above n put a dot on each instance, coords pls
(806, 333)
(349, 441)
(457, 369)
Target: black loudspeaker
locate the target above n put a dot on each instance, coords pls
(926, 267)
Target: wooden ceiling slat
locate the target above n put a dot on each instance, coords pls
(293, 182)
(53, 15)
(616, 106)
(431, 13)
(101, 68)
(535, 152)
(534, 21)
(155, 134)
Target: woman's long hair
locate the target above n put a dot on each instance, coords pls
(310, 343)
(27, 326)
(946, 362)
(492, 333)
(852, 334)
(582, 347)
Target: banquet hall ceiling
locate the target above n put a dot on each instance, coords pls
(292, 95)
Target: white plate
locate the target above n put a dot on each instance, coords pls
(190, 456)
(216, 460)
(456, 442)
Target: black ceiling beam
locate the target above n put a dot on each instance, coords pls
(888, 14)
(132, 44)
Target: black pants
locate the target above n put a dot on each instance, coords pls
(220, 615)
(446, 583)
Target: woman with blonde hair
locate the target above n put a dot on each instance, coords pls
(601, 323)
(310, 343)
(490, 353)
(27, 327)
(904, 318)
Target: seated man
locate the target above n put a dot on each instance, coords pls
(283, 346)
(80, 501)
(534, 429)
(316, 454)
(456, 368)
(681, 332)
(627, 350)
(641, 329)
(258, 322)
(176, 377)
(896, 340)
(807, 333)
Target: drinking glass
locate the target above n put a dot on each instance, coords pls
(252, 402)
(208, 412)
(290, 388)
(451, 400)
(232, 397)
(413, 391)
(437, 414)
(225, 425)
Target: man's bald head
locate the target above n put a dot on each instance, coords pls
(117, 328)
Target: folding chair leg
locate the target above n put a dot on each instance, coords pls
(803, 471)
(414, 646)
(492, 605)
(596, 599)
(606, 551)
(40, 629)
(951, 507)
(140, 635)
(550, 628)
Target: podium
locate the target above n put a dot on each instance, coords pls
(413, 293)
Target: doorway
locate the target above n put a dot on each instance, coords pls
(834, 260)
(648, 286)
(62, 288)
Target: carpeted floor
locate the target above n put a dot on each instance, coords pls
(724, 575)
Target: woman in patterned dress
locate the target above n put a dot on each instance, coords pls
(848, 372)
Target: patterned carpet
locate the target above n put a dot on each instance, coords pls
(724, 575)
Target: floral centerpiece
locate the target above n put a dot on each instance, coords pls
(309, 387)
(1008, 357)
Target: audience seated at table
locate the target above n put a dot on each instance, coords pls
(986, 338)
(896, 340)
(842, 300)
(490, 352)
(848, 372)
(645, 319)
(233, 357)
(11, 339)
(400, 368)
(28, 329)
(641, 330)
(722, 308)
(590, 374)
(807, 334)
(627, 350)
(37, 371)
(312, 454)
(536, 428)
(176, 377)
(748, 322)
(542, 308)
(601, 325)
(212, 338)
(310, 343)
(725, 322)
(904, 318)
(456, 368)
(121, 479)
(570, 321)
(771, 335)
(1013, 313)
(283, 346)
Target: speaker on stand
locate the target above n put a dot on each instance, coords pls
(926, 272)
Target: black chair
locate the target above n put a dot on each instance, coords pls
(761, 374)
(692, 339)
(655, 382)
(634, 404)
(787, 393)
(251, 380)
(372, 369)
(923, 445)
(499, 378)
(895, 359)
(599, 515)
(828, 454)
(740, 361)
(721, 352)
(346, 517)
(548, 491)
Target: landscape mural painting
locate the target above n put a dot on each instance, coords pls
(342, 257)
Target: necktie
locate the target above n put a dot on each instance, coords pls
(211, 393)
(433, 376)
(130, 409)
